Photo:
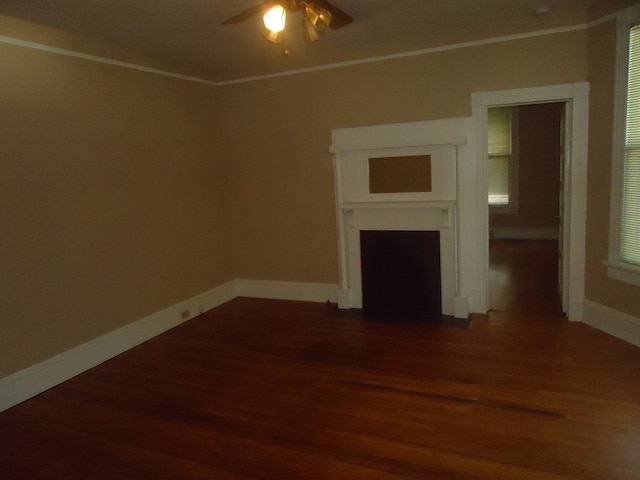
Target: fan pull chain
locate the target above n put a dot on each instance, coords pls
(285, 42)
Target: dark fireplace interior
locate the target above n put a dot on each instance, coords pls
(401, 275)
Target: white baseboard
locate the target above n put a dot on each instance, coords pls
(461, 306)
(308, 292)
(576, 309)
(33, 380)
(621, 325)
(523, 233)
(478, 301)
(344, 298)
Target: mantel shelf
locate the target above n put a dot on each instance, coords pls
(441, 204)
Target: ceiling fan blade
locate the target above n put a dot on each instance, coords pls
(338, 18)
(248, 13)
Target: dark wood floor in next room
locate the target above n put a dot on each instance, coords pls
(266, 389)
(523, 276)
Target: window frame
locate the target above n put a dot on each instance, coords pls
(514, 176)
(616, 267)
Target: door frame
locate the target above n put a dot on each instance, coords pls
(576, 98)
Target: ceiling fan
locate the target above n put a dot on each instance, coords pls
(317, 16)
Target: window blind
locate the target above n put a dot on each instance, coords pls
(499, 129)
(499, 180)
(630, 224)
(499, 142)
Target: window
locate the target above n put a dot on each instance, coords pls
(503, 165)
(624, 241)
(630, 238)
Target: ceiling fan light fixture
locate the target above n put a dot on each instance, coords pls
(273, 37)
(317, 16)
(275, 19)
(311, 33)
(315, 22)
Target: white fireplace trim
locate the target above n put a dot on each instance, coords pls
(413, 216)
(436, 211)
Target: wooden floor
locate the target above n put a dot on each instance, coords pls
(523, 276)
(265, 389)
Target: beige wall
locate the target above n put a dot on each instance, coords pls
(278, 133)
(53, 37)
(113, 185)
(599, 287)
(112, 200)
(539, 168)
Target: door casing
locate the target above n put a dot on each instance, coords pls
(576, 98)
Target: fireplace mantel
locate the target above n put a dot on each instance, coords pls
(397, 216)
(359, 208)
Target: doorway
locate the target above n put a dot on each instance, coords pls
(576, 98)
(526, 208)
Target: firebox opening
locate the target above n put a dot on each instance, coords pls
(401, 275)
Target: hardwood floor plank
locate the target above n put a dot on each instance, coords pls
(523, 276)
(264, 389)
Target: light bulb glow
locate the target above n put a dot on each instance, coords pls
(275, 18)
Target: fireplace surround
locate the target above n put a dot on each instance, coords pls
(431, 209)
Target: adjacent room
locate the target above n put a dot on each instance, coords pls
(200, 202)
(526, 168)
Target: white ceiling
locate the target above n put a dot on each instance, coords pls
(189, 32)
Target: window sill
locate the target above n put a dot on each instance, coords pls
(506, 209)
(623, 272)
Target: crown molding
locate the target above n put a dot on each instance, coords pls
(95, 58)
(330, 66)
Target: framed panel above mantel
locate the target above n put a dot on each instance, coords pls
(436, 169)
(432, 150)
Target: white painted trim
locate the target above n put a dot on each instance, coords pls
(94, 58)
(437, 210)
(331, 66)
(616, 323)
(623, 272)
(427, 133)
(478, 301)
(524, 233)
(616, 268)
(302, 291)
(601, 20)
(33, 380)
(413, 53)
(577, 98)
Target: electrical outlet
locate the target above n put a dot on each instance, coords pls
(185, 314)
